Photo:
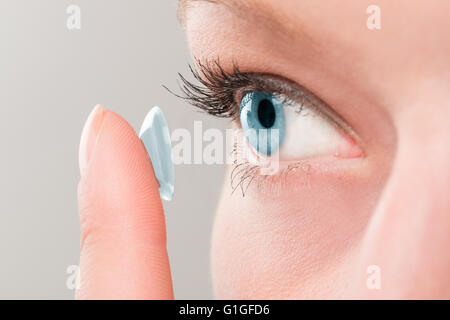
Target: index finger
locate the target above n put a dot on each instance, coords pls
(123, 233)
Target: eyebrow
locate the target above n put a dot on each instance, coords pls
(260, 11)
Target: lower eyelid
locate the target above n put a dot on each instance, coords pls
(293, 176)
(246, 171)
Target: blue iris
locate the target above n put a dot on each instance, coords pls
(262, 121)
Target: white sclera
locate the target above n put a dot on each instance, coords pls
(308, 134)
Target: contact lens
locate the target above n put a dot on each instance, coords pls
(262, 120)
(156, 138)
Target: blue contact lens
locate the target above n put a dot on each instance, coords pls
(156, 138)
(262, 121)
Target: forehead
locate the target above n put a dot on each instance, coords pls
(413, 38)
(400, 21)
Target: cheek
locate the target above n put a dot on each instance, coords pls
(290, 241)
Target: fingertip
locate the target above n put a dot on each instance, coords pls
(123, 234)
(89, 136)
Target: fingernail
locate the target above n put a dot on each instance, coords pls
(89, 136)
(156, 138)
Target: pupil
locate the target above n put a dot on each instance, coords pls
(266, 113)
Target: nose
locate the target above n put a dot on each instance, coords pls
(406, 249)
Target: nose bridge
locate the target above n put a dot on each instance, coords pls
(417, 194)
(408, 237)
(421, 171)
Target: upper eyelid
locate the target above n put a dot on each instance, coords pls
(219, 90)
(279, 86)
(292, 92)
(300, 94)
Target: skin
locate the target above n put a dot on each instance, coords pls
(313, 234)
(123, 234)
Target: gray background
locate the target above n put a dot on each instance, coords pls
(50, 79)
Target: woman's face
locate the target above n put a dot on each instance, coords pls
(366, 215)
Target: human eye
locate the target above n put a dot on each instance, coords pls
(276, 116)
(293, 128)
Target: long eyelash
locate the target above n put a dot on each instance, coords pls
(243, 174)
(215, 93)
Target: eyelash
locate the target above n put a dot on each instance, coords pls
(217, 89)
(219, 92)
